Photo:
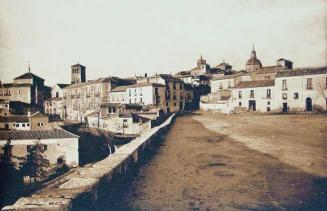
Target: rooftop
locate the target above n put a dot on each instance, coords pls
(253, 84)
(302, 71)
(114, 80)
(123, 88)
(35, 134)
(15, 118)
(29, 75)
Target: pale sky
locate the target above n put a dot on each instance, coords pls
(127, 37)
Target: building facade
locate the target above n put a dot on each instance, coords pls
(254, 96)
(303, 89)
(27, 88)
(58, 144)
(82, 98)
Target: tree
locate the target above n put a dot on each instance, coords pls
(322, 90)
(11, 179)
(36, 165)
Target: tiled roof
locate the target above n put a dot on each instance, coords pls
(113, 80)
(302, 71)
(8, 85)
(77, 65)
(16, 118)
(123, 88)
(227, 77)
(35, 134)
(63, 85)
(269, 69)
(253, 84)
(29, 75)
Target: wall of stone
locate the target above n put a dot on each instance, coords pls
(84, 188)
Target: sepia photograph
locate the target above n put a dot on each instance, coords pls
(213, 105)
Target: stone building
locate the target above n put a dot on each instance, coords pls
(82, 98)
(78, 73)
(58, 144)
(302, 89)
(27, 88)
(54, 106)
(140, 93)
(36, 121)
(174, 96)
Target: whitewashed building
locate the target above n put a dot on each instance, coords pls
(58, 144)
(254, 96)
(303, 89)
(140, 93)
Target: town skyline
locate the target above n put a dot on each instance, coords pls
(160, 38)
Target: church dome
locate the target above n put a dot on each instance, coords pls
(254, 61)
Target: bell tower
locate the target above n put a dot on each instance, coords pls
(78, 73)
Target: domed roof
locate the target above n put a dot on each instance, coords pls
(254, 61)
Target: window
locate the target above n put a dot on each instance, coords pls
(268, 109)
(39, 124)
(240, 94)
(130, 92)
(174, 85)
(267, 77)
(166, 103)
(296, 95)
(221, 86)
(309, 83)
(141, 93)
(252, 93)
(268, 93)
(284, 96)
(175, 104)
(17, 125)
(141, 99)
(268, 102)
(239, 103)
(23, 125)
(19, 91)
(229, 84)
(284, 85)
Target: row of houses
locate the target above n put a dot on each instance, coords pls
(277, 88)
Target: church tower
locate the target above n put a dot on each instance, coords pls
(253, 64)
(78, 74)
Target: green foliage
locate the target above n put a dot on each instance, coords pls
(36, 165)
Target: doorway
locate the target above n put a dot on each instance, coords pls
(252, 105)
(285, 109)
(308, 104)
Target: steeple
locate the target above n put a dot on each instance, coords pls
(253, 53)
(29, 67)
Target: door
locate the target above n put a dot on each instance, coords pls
(308, 104)
(252, 106)
(285, 107)
(7, 126)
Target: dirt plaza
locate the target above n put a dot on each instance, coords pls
(212, 161)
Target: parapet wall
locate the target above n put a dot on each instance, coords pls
(83, 188)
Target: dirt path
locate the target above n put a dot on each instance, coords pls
(198, 169)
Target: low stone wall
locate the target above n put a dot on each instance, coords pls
(82, 189)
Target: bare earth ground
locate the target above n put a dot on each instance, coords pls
(242, 163)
